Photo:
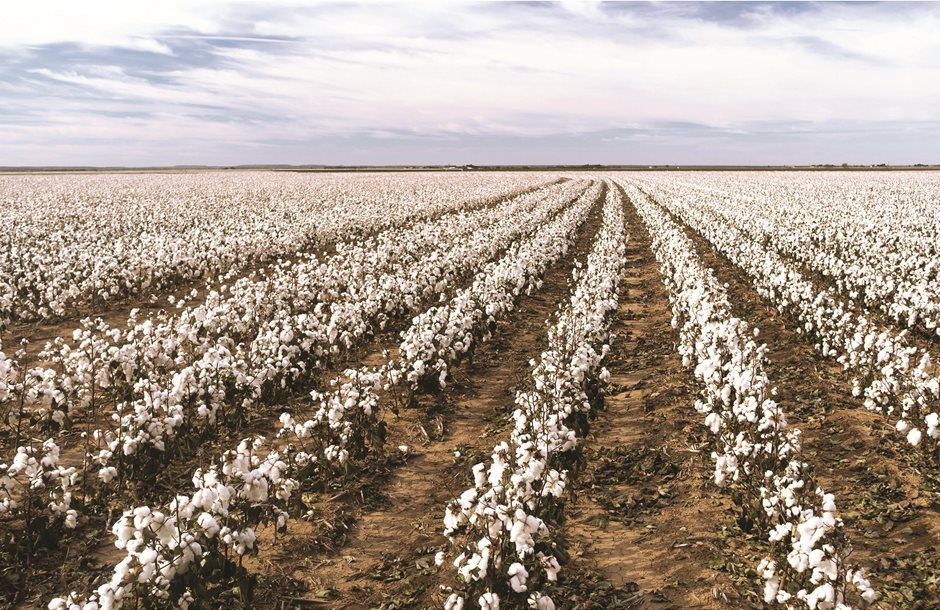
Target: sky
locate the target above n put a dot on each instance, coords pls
(219, 82)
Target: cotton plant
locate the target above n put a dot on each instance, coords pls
(36, 486)
(168, 549)
(344, 425)
(500, 529)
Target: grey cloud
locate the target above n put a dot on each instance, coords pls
(253, 133)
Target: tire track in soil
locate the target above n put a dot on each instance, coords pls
(387, 554)
(646, 520)
(891, 518)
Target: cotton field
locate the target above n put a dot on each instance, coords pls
(470, 390)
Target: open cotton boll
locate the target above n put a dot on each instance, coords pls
(454, 602)
(933, 425)
(517, 577)
(540, 602)
(489, 601)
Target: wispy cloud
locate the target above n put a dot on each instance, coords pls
(215, 81)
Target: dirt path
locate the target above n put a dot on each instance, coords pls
(386, 556)
(891, 515)
(646, 520)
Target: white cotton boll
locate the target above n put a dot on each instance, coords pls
(489, 601)
(146, 556)
(864, 586)
(933, 425)
(902, 426)
(209, 524)
(479, 474)
(439, 558)
(141, 517)
(185, 600)
(913, 437)
(517, 577)
(823, 593)
(107, 474)
(713, 421)
(454, 602)
(771, 587)
(541, 602)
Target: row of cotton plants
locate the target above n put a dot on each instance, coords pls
(173, 551)
(436, 341)
(875, 236)
(756, 454)
(108, 361)
(217, 380)
(503, 528)
(71, 242)
(101, 363)
(892, 376)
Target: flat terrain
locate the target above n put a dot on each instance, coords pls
(641, 522)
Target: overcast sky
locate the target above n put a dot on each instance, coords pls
(220, 82)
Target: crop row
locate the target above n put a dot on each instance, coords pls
(504, 528)
(756, 454)
(69, 242)
(875, 236)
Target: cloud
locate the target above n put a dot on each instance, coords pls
(290, 81)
